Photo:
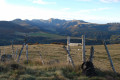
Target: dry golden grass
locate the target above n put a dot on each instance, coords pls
(52, 53)
(55, 56)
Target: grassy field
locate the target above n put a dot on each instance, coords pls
(56, 66)
(42, 34)
(46, 35)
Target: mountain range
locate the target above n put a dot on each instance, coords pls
(46, 29)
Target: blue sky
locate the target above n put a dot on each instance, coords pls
(96, 11)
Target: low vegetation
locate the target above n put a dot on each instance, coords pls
(56, 66)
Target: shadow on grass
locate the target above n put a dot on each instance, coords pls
(77, 74)
(109, 75)
(16, 71)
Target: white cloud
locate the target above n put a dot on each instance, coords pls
(84, 0)
(10, 12)
(109, 1)
(43, 2)
(93, 10)
(65, 9)
(2, 2)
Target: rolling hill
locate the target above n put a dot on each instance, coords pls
(39, 29)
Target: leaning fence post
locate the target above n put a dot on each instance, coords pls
(20, 52)
(4, 50)
(27, 52)
(83, 49)
(109, 57)
(91, 54)
(68, 48)
(70, 58)
(12, 49)
(41, 58)
(0, 53)
(16, 52)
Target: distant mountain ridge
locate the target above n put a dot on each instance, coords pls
(60, 27)
(50, 24)
(63, 24)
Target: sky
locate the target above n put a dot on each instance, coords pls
(95, 11)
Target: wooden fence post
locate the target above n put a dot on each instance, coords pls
(12, 49)
(109, 57)
(16, 52)
(68, 42)
(20, 52)
(68, 48)
(0, 53)
(91, 54)
(83, 49)
(4, 50)
(41, 58)
(69, 58)
(27, 52)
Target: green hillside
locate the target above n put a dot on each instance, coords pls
(55, 30)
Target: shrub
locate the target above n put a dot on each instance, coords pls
(1, 68)
(27, 77)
